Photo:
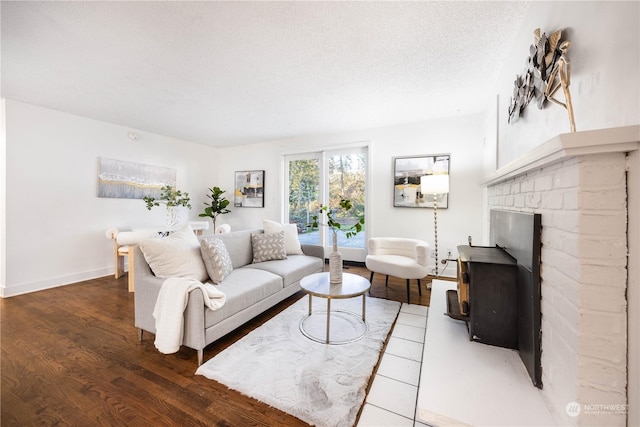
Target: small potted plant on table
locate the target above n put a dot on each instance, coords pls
(350, 230)
(175, 201)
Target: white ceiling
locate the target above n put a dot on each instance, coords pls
(225, 73)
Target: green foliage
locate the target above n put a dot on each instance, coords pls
(169, 196)
(217, 205)
(346, 182)
(333, 220)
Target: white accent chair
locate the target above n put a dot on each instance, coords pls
(399, 257)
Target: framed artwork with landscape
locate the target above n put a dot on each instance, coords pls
(249, 189)
(407, 172)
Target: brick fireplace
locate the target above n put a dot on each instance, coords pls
(579, 183)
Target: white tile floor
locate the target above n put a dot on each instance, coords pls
(394, 392)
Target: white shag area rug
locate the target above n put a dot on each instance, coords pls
(323, 385)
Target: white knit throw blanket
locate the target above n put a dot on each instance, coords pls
(170, 305)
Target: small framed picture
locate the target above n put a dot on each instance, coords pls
(249, 189)
(407, 173)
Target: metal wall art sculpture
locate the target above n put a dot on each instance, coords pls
(548, 69)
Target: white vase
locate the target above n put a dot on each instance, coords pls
(335, 263)
(176, 216)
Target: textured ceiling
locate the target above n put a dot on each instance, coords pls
(225, 73)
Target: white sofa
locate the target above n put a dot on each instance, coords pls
(399, 257)
(250, 289)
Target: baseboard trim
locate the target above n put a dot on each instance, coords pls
(41, 285)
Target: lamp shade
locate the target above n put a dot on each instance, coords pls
(434, 184)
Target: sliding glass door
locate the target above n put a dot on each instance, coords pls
(324, 178)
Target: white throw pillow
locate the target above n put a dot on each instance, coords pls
(291, 242)
(176, 255)
(216, 259)
(268, 247)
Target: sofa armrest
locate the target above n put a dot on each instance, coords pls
(313, 250)
(146, 292)
(194, 327)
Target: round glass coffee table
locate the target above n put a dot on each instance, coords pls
(317, 285)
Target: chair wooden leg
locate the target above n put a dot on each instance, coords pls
(386, 281)
(408, 292)
(419, 288)
(371, 278)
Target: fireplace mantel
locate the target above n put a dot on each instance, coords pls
(563, 146)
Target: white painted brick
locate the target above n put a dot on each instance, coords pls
(607, 299)
(526, 185)
(602, 324)
(612, 349)
(591, 397)
(610, 276)
(606, 170)
(602, 247)
(560, 282)
(596, 372)
(552, 200)
(533, 200)
(554, 238)
(614, 198)
(506, 188)
(570, 200)
(570, 266)
(600, 419)
(543, 183)
(583, 205)
(606, 223)
(567, 177)
(566, 220)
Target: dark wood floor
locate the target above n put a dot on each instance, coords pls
(70, 356)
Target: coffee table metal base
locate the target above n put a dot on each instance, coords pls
(327, 339)
(318, 285)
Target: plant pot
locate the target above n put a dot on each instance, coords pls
(176, 216)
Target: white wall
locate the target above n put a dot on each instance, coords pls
(605, 65)
(55, 222)
(459, 136)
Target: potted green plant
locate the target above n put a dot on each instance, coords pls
(349, 230)
(175, 201)
(217, 205)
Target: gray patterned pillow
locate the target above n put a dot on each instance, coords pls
(267, 247)
(216, 259)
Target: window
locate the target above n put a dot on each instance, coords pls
(324, 178)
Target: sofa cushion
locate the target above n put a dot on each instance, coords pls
(243, 288)
(294, 268)
(291, 242)
(238, 244)
(176, 255)
(267, 247)
(216, 259)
